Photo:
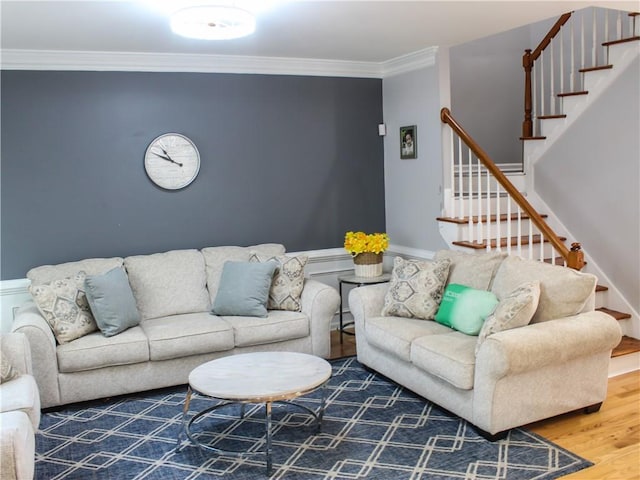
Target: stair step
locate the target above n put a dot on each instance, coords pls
(601, 288)
(614, 313)
(492, 218)
(533, 138)
(547, 117)
(572, 94)
(594, 69)
(524, 240)
(622, 40)
(626, 346)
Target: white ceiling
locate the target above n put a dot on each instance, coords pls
(354, 31)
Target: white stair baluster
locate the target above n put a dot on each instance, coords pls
(498, 225)
(489, 210)
(509, 233)
(480, 226)
(460, 180)
(452, 175)
(519, 232)
(470, 194)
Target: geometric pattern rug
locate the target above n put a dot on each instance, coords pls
(372, 429)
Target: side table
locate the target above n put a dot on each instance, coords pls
(352, 279)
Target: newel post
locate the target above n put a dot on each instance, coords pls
(527, 124)
(575, 259)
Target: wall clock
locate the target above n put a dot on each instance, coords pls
(172, 161)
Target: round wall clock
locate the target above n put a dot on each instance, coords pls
(172, 161)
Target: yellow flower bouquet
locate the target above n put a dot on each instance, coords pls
(360, 242)
(366, 250)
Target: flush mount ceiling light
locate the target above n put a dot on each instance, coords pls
(213, 22)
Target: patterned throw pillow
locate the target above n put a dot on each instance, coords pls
(288, 282)
(7, 372)
(64, 306)
(513, 311)
(415, 289)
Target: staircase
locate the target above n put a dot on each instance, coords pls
(483, 210)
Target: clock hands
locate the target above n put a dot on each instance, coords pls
(166, 157)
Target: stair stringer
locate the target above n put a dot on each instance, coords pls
(621, 56)
(614, 298)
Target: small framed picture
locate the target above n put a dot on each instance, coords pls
(408, 142)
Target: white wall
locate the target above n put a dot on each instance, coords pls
(487, 92)
(412, 187)
(590, 178)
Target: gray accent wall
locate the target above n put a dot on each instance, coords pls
(289, 159)
(590, 178)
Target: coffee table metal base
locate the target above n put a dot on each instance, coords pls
(186, 425)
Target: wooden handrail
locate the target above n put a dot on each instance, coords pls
(573, 257)
(528, 59)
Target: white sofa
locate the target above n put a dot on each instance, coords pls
(555, 364)
(174, 292)
(19, 411)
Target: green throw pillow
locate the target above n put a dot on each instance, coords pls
(464, 308)
(112, 302)
(244, 289)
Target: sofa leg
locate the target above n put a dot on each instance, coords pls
(592, 408)
(492, 437)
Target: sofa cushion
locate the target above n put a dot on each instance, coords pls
(187, 334)
(415, 289)
(563, 291)
(91, 266)
(450, 356)
(97, 351)
(513, 311)
(64, 306)
(244, 289)
(169, 283)
(215, 257)
(111, 301)
(288, 281)
(475, 270)
(395, 334)
(21, 394)
(278, 326)
(7, 372)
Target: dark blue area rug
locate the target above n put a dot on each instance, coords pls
(372, 429)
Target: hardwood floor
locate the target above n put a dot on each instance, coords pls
(609, 438)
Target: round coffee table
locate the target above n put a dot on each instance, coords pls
(259, 377)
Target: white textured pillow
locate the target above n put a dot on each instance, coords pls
(416, 288)
(513, 311)
(64, 306)
(288, 281)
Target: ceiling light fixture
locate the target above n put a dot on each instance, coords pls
(213, 22)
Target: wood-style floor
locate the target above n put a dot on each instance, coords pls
(609, 438)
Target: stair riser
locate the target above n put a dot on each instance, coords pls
(592, 79)
(571, 103)
(491, 230)
(549, 125)
(475, 204)
(620, 50)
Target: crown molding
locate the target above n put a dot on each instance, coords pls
(11, 59)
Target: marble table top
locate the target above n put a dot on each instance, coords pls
(260, 376)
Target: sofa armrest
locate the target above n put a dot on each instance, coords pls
(367, 301)
(320, 303)
(42, 343)
(552, 342)
(15, 347)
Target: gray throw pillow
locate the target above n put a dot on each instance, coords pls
(111, 301)
(244, 289)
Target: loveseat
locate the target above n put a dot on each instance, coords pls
(542, 352)
(174, 294)
(19, 409)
